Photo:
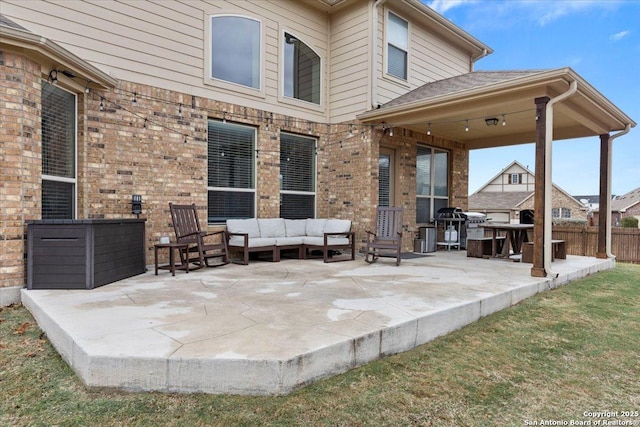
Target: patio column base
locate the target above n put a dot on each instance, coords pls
(601, 255)
(538, 272)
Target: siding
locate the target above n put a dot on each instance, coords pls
(430, 58)
(161, 43)
(349, 82)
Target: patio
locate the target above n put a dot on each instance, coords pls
(269, 328)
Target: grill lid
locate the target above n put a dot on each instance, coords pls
(449, 212)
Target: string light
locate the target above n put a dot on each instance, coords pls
(101, 103)
(224, 117)
(180, 110)
(350, 131)
(466, 128)
(86, 88)
(429, 129)
(504, 120)
(135, 98)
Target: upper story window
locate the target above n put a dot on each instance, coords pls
(301, 70)
(515, 178)
(236, 50)
(58, 153)
(397, 46)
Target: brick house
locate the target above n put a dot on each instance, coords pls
(256, 109)
(627, 204)
(505, 196)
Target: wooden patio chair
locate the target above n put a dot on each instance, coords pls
(202, 245)
(387, 239)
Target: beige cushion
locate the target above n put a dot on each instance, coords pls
(295, 227)
(337, 226)
(315, 227)
(271, 227)
(245, 226)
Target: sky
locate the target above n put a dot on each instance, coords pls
(600, 40)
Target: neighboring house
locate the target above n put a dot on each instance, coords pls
(591, 202)
(627, 204)
(508, 198)
(315, 108)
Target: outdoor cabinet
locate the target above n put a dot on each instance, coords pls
(84, 253)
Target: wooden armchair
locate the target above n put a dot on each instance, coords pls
(387, 240)
(202, 245)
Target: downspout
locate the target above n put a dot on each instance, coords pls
(374, 53)
(611, 138)
(548, 184)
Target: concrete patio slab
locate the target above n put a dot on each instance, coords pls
(269, 328)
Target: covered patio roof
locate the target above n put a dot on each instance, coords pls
(451, 105)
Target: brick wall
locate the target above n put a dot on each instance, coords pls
(20, 161)
(129, 148)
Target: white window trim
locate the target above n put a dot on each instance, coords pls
(385, 71)
(294, 101)
(67, 180)
(209, 80)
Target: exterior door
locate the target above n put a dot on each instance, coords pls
(385, 175)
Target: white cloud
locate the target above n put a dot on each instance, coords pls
(619, 36)
(441, 6)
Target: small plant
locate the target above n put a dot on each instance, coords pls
(629, 222)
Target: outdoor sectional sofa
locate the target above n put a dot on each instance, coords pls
(275, 235)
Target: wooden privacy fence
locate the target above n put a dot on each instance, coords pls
(625, 242)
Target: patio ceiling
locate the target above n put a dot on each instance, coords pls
(450, 105)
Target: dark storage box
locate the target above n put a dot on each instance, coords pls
(84, 253)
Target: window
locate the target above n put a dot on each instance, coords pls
(432, 182)
(557, 213)
(397, 46)
(515, 178)
(235, 50)
(298, 176)
(301, 70)
(231, 171)
(58, 153)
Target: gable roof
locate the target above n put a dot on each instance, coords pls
(626, 201)
(456, 108)
(457, 84)
(515, 162)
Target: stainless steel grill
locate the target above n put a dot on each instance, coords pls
(466, 224)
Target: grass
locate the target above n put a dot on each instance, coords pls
(551, 357)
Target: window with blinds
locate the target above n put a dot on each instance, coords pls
(397, 46)
(432, 182)
(384, 180)
(298, 176)
(58, 153)
(231, 171)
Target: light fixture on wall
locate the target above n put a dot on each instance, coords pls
(491, 121)
(136, 204)
(53, 77)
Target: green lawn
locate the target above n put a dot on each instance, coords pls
(553, 357)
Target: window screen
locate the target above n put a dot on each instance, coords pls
(298, 176)
(58, 152)
(231, 171)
